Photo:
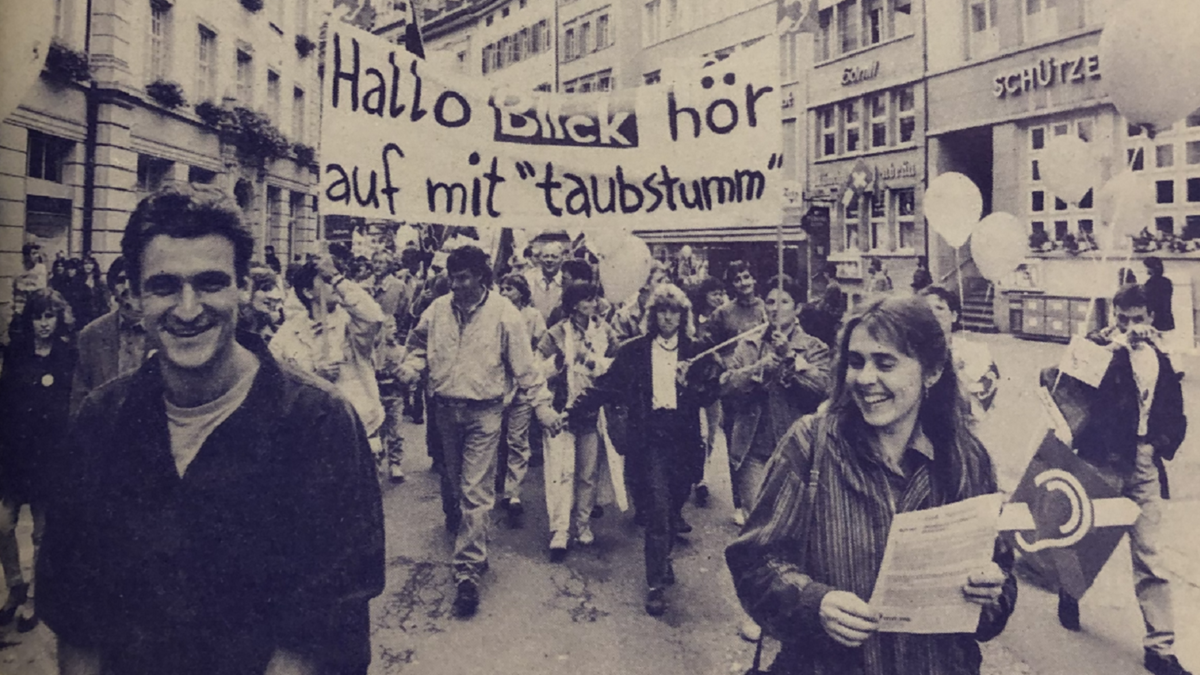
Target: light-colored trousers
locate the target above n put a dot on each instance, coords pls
(571, 472)
(470, 432)
(517, 415)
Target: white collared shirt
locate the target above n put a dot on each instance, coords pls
(1144, 360)
(664, 361)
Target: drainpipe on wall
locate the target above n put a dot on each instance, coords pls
(91, 95)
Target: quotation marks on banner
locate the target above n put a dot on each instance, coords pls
(776, 162)
(525, 170)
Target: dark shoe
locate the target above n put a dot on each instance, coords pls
(656, 602)
(702, 496)
(466, 600)
(1068, 611)
(597, 512)
(418, 419)
(27, 620)
(516, 514)
(1165, 664)
(17, 595)
(395, 475)
(682, 526)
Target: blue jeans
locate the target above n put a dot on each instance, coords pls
(470, 433)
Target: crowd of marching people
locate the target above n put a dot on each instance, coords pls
(509, 367)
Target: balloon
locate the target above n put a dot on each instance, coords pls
(952, 207)
(625, 270)
(1126, 203)
(1068, 167)
(1148, 51)
(606, 241)
(25, 34)
(998, 245)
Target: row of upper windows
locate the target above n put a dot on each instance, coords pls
(504, 12)
(579, 38)
(598, 81)
(520, 46)
(856, 24)
(879, 120)
(996, 25)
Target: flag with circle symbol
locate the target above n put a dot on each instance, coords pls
(1064, 518)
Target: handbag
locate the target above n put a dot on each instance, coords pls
(810, 499)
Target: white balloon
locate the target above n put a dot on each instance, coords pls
(1068, 167)
(1148, 51)
(1126, 203)
(625, 270)
(25, 32)
(606, 241)
(998, 245)
(953, 205)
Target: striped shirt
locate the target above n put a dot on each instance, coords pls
(781, 580)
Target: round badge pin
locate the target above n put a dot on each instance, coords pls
(47, 380)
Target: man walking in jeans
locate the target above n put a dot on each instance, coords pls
(474, 344)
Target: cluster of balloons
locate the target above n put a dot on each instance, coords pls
(625, 261)
(953, 205)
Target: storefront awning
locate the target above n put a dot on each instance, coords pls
(791, 233)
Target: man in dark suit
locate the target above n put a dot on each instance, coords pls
(1135, 422)
(112, 345)
(663, 448)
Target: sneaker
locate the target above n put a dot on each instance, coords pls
(750, 631)
(656, 602)
(515, 512)
(1068, 612)
(739, 517)
(396, 475)
(702, 495)
(1163, 664)
(558, 546)
(466, 600)
(585, 536)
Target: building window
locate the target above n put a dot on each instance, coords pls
(847, 13)
(604, 81)
(1164, 191)
(585, 36)
(524, 45)
(828, 120)
(879, 220)
(902, 18)
(245, 78)
(823, 40)
(1061, 228)
(1041, 19)
(152, 172)
(298, 121)
(546, 35)
(602, 32)
(1038, 201)
(273, 96)
(491, 19)
(906, 208)
(650, 22)
(487, 59)
(1164, 156)
(853, 122)
(1165, 224)
(652, 77)
(46, 156)
(535, 38)
(1037, 138)
(160, 52)
(851, 225)
(1193, 152)
(569, 45)
(878, 105)
(985, 36)
(1133, 158)
(1193, 189)
(206, 65)
(907, 114)
(506, 52)
(274, 214)
(873, 22)
(504, 13)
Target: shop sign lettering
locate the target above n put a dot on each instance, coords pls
(860, 74)
(1046, 73)
(789, 101)
(905, 169)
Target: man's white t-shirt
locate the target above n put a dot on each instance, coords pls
(190, 427)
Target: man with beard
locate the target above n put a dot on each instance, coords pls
(112, 345)
(212, 512)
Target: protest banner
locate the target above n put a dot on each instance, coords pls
(405, 139)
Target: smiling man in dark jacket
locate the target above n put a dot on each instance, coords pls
(212, 512)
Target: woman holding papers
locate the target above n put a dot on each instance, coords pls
(894, 439)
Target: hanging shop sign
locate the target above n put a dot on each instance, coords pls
(879, 172)
(1046, 73)
(860, 74)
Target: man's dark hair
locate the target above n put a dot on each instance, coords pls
(735, 269)
(471, 259)
(1154, 265)
(1131, 296)
(410, 259)
(185, 212)
(790, 286)
(303, 280)
(116, 272)
(575, 293)
(578, 269)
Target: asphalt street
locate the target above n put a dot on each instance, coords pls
(585, 615)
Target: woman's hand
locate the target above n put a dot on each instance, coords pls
(985, 585)
(847, 619)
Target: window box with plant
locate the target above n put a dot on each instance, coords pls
(167, 94)
(305, 155)
(65, 65)
(304, 46)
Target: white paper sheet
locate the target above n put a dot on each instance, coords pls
(928, 557)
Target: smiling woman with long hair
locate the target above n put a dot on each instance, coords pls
(35, 394)
(894, 439)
